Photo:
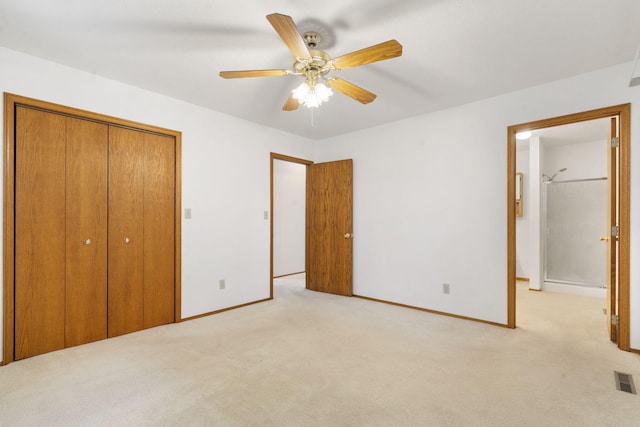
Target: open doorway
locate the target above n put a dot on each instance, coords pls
(563, 212)
(328, 225)
(618, 209)
(288, 215)
(564, 172)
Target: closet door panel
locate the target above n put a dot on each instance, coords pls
(159, 234)
(86, 231)
(126, 245)
(40, 232)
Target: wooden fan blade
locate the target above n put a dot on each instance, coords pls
(253, 73)
(380, 52)
(291, 104)
(288, 32)
(351, 90)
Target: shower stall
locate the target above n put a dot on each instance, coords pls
(576, 217)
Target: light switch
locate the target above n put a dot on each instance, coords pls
(187, 213)
(266, 214)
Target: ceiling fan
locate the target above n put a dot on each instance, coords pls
(315, 64)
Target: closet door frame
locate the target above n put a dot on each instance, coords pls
(11, 101)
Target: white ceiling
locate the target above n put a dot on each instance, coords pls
(574, 133)
(455, 51)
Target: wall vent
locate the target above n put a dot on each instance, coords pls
(624, 382)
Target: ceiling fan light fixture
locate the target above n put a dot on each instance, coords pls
(314, 64)
(312, 96)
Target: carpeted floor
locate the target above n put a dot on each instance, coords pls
(312, 359)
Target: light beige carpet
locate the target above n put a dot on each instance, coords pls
(312, 359)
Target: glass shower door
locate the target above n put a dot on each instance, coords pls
(576, 218)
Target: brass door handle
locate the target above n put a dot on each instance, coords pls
(87, 241)
(348, 236)
(604, 239)
(126, 240)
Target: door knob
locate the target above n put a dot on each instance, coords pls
(604, 239)
(87, 241)
(126, 240)
(348, 236)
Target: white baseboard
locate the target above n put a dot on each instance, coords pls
(564, 288)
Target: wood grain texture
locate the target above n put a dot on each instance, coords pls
(379, 52)
(159, 235)
(291, 104)
(352, 91)
(126, 219)
(288, 32)
(240, 74)
(12, 103)
(624, 222)
(612, 242)
(329, 218)
(18, 100)
(40, 227)
(177, 215)
(8, 228)
(511, 228)
(86, 218)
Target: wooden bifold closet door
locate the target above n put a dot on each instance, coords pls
(86, 232)
(94, 231)
(141, 230)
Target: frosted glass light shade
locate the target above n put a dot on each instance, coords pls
(312, 96)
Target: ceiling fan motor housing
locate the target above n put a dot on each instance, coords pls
(315, 67)
(312, 39)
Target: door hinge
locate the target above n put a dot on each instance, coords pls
(615, 231)
(614, 319)
(615, 142)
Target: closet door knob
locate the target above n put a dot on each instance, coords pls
(126, 240)
(87, 241)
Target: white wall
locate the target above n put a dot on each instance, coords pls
(289, 217)
(537, 221)
(225, 175)
(583, 160)
(429, 192)
(430, 196)
(430, 208)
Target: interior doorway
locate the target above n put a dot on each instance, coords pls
(563, 211)
(328, 225)
(563, 208)
(288, 212)
(618, 245)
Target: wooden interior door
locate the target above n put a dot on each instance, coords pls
(159, 232)
(86, 231)
(125, 236)
(612, 240)
(329, 227)
(40, 232)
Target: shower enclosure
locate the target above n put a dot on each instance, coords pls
(576, 216)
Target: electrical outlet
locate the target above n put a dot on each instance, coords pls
(445, 288)
(222, 284)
